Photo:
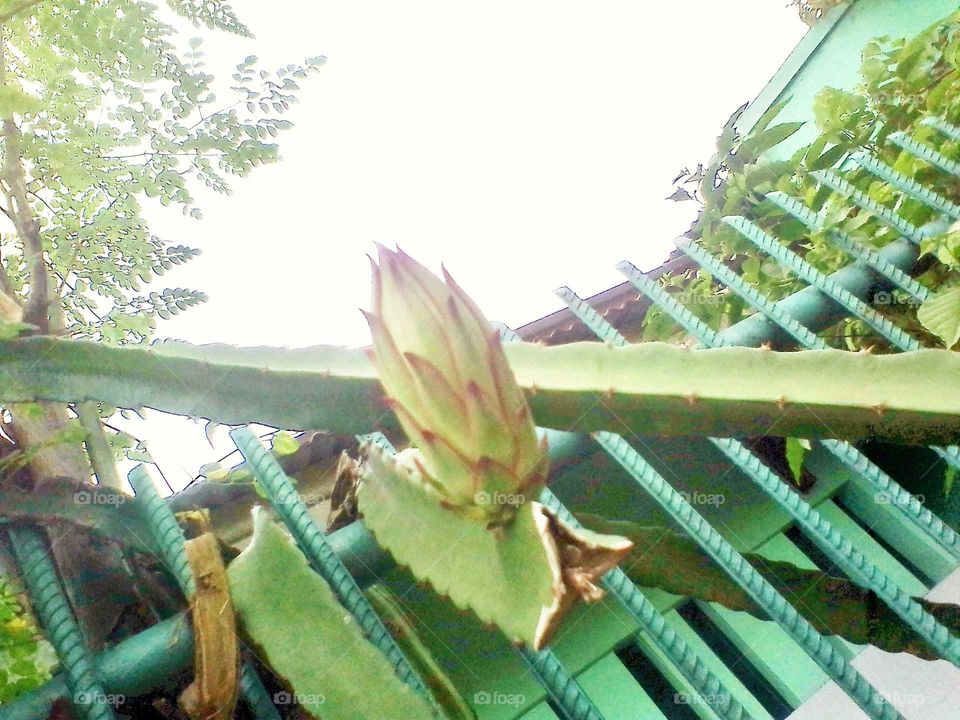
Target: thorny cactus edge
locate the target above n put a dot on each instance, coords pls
(476, 460)
(447, 380)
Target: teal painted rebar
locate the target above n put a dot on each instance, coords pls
(164, 527)
(52, 609)
(836, 183)
(681, 315)
(733, 281)
(760, 591)
(134, 666)
(925, 153)
(906, 502)
(655, 625)
(169, 536)
(567, 694)
(908, 186)
(291, 508)
(616, 582)
(255, 695)
(604, 330)
(861, 252)
(842, 552)
(941, 124)
(806, 272)
(821, 531)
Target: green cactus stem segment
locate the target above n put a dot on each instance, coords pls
(909, 398)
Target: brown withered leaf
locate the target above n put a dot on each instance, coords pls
(213, 693)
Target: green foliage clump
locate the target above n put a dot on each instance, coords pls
(26, 660)
(903, 83)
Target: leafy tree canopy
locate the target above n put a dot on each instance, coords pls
(100, 108)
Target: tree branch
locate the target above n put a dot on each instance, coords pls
(37, 307)
(98, 448)
(38, 303)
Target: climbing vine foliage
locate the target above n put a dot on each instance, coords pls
(903, 84)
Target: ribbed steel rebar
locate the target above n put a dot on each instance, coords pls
(853, 562)
(660, 297)
(561, 686)
(927, 154)
(169, 536)
(52, 608)
(806, 272)
(941, 124)
(728, 277)
(566, 693)
(693, 669)
(907, 185)
(836, 183)
(858, 250)
(912, 509)
(760, 591)
(837, 548)
(906, 502)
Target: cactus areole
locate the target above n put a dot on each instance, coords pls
(460, 507)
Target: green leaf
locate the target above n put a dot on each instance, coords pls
(796, 452)
(757, 145)
(941, 315)
(771, 114)
(829, 158)
(284, 443)
(949, 478)
(14, 101)
(308, 639)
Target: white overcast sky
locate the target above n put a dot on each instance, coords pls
(525, 144)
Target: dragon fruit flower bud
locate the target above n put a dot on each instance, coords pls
(448, 382)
